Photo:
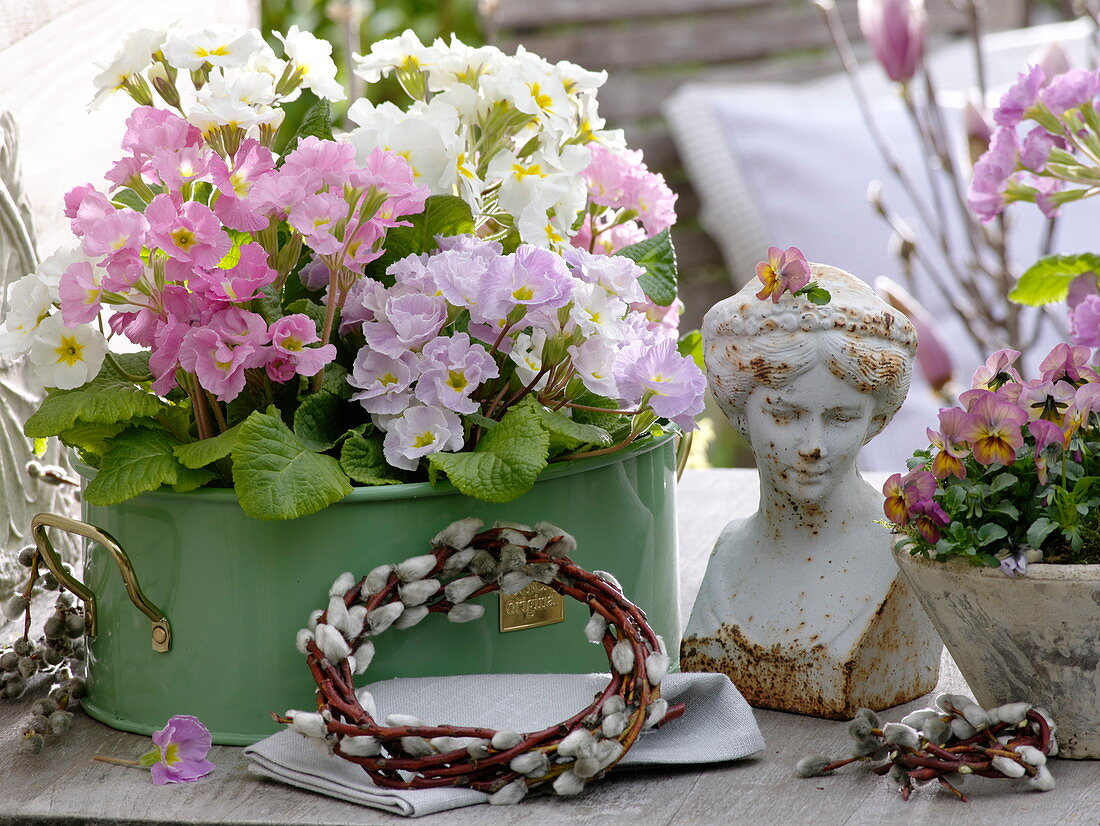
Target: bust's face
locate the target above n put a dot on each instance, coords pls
(806, 435)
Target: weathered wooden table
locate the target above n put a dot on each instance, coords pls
(64, 785)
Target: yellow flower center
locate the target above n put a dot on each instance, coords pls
(542, 100)
(457, 379)
(425, 439)
(172, 754)
(292, 343)
(522, 171)
(69, 351)
(389, 378)
(183, 238)
(524, 293)
(240, 183)
(217, 51)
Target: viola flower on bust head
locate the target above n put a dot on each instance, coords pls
(787, 271)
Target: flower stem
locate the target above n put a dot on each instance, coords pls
(103, 758)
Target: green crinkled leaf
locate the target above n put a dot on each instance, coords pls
(267, 304)
(135, 365)
(319, 420)
(570, 434)
(128, 198)
(91, 437)
(335, 381)
(277, 476)
(691, 344)
(139, 460)
(506, 462)
(362, 460)
(189, 479)
(314, 311)
(106, 399)
(442, 215)
(317, 123)
(205, 451)
(658, 256)
(1047, 280)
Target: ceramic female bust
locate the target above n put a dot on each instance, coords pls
(802, 604)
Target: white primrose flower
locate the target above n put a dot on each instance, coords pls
(421, 431)
(312, 59)
(577, 80)
(594, 363)
(533, 87)
(456, 64)
(526, 353)
(331, 642)
(238, 86)
(404, 53)
(29, 305)
(362, 746)
(429, 136)
(218, 45)
(52, 267)
(599, 313)
(66, 357)
(134, 56)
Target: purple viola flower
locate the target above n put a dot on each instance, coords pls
(1015, 564)
(451, 369)
(385, 383)
(1084, 321)
(1047, 435)
(997, 370)
(418, 432)
(1065, 362)
(985, 196)
(410, 321)
(180, 753)
(1046, 399)
(929, 517)
(1020, 96)
(670, 384)
(529, 277)
(896, 30)
(1070, 89)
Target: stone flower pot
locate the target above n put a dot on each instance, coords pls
(1034, 639)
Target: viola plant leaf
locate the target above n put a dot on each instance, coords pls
(362, 460)
(506, 462)
(319, 421)
(658, 257)
(106, 399)
(206, 451)
(1047, 281)
(139, 460)
(277, 476)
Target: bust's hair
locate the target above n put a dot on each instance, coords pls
(864, 342)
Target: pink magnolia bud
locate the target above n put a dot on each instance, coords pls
(978, 129)
(896, 30)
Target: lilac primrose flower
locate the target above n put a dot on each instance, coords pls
(418, 432)
(1084, 322)
(451, 369)
(1036, 148)
(616, 274)
(1020, 96)
(985, 195)
(385, 382)
(1070, 89)
(180, 753)
(458, 274)
(411, 321)
(673, 384)
(530, 277)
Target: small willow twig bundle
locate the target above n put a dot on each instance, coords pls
(402, 752)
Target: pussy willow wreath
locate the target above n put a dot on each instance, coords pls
(403, 752)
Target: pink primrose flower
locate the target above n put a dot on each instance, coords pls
(164, 358)
(241, 282)
(655, 203)
(997, 370)
(1065, 362)
(290, 336)
(621, 180)
(389, 173)
(412, 273)
(174, 168)
(365, 245)
(1046, 190)
(236, 207)
(529, 277)
(139, 326)
(1020, 96)
(896, 30)
(219, 353)
(123, 272)
(985, 195)
(662, 321)
(316, 163)
(191, 233)
(245, 331)
(365, 302)
(180, 751)
(458, 274)
(149, 129)
(452, 368)
(125, 171)
(385, 383)
(670, 384)
(276, 193)
(610, 238)
(317, 217)
(418, 432)
(118, 233)
(86, 206)
(80, 294)
(993, 429)
(410, 321)
(784, 271)
(1070, 90)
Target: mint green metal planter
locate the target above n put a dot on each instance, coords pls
(235, 590)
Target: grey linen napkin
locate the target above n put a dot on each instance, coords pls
(717, 726)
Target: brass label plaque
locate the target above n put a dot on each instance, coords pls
(535, 605)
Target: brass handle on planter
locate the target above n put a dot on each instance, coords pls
(162, 629)
(683, 450)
